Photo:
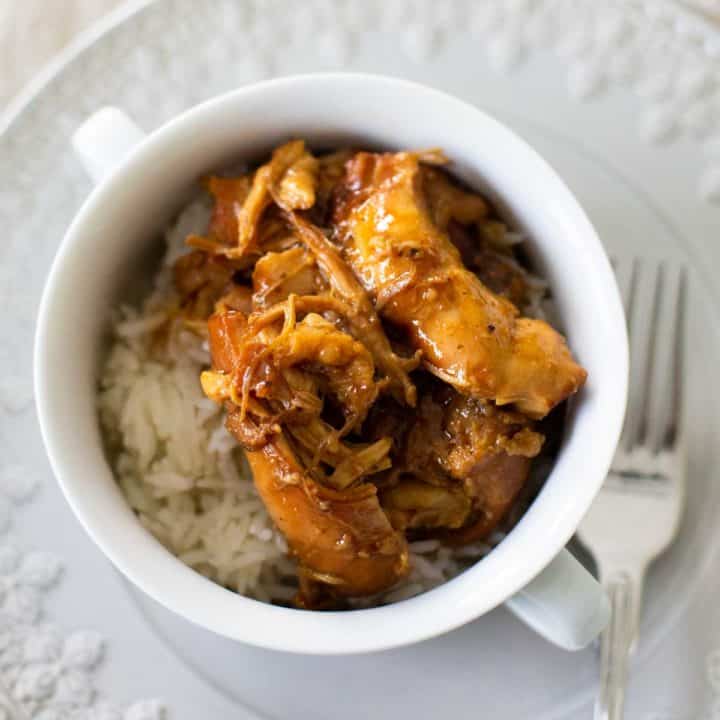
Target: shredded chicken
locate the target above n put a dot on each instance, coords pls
(495, 266)
(229, 195)
(280, 274)
(446, 201)
(364, 318)
(458, 465)
(201, 279)
(363, 323)
(265, 346)
(334, 525)
(295, 190)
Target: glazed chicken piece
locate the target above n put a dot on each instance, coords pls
(447, 202)
(279, 274)
(469, 336)
(331, 170)
(290, 180)
(317, 268)
(236, 297)
(361, 313)
(268, 345)
(342, 539)
(229, 195)
(346, 455)
(272, 370)
(496, 268)
(459, 467)
(464, 216)
(490, 451)
(200, 280)
(297, 184)
(417, 505)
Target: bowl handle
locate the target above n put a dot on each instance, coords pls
(564, 604)
(104, 140)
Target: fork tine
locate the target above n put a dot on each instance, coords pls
(654, 346)
(640, 321)
(672, 426)
(655, 322)
(662, 404)
(625, 274)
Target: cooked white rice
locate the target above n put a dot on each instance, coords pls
(181, 471)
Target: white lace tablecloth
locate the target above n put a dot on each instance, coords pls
(52, 24)
(65, 665)
(33, 31)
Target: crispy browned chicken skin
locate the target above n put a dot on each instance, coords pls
(328, 288)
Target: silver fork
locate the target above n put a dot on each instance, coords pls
(637, 512)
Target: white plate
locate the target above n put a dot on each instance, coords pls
(622, 98)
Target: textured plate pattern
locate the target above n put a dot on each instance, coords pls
(606, 84)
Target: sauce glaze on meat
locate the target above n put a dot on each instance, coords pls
(364, 317)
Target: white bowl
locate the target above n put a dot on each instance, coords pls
(109, 241)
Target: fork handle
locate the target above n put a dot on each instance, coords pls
(617, 641)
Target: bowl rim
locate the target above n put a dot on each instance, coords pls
(171, 583)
